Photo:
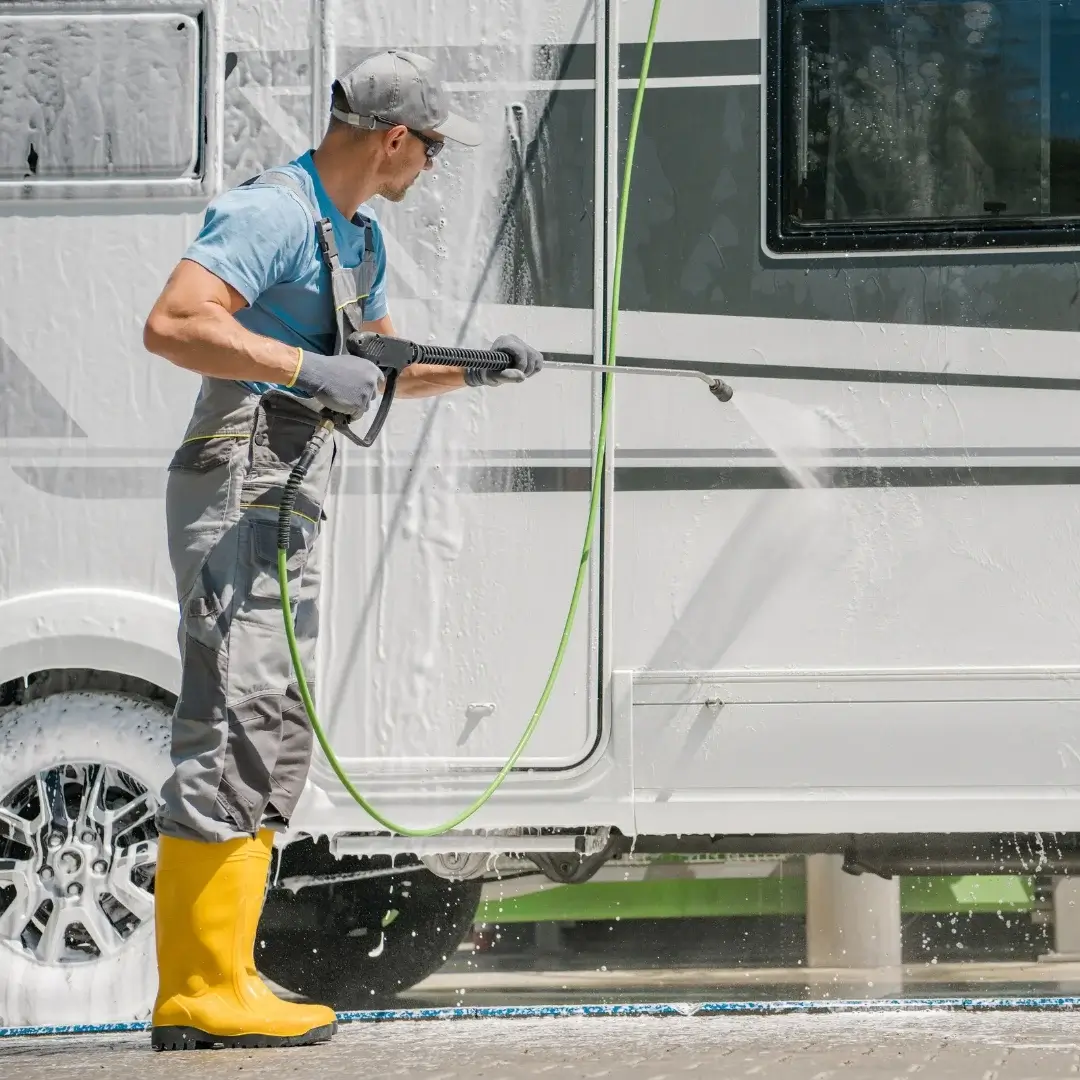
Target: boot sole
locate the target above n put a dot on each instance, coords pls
(188, 1038)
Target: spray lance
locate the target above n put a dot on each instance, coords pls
(392, 355)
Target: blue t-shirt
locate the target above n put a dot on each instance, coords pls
(261, 240)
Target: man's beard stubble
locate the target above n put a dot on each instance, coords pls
(395, 194)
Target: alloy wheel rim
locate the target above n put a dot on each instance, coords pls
(78, 850)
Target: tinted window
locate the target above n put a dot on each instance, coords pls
(99, 96)
(903, 121)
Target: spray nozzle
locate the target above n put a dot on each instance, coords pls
(720, 390)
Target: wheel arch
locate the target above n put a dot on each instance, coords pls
(98, 630)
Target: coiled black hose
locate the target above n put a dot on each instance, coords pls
(299, 472)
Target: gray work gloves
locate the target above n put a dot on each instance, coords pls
(527, 362)
(343, 384)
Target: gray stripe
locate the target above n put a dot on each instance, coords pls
(124, 454)
(27, 409)
(459, 63)
(862, 452)
(95, 481)
(273, 67)
(146, 483)
(670, 59)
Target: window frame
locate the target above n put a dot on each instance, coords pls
(779, 239)
(206, 180)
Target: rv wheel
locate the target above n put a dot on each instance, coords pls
(357, 945)
(79, 779)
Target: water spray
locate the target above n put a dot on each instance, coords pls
(393, 355)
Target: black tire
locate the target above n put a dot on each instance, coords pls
(318, 942)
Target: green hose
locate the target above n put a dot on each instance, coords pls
(586, 548)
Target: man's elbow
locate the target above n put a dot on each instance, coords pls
(157, 332)
(165, 332)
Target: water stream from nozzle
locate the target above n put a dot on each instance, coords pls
(796, 435)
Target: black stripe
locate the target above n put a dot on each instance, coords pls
(810, 373)
(481, 480)
(690, 59)
(758, 478)
(140, 482)
(547, 479)
(670, 59)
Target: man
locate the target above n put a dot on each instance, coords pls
(285, 268)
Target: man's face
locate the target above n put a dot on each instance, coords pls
(406, 163)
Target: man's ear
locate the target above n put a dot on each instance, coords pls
(394, 138)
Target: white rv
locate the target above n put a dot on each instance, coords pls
(861, 213)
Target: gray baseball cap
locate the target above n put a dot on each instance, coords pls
(399, 87)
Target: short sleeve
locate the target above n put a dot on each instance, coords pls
(376, 306)
(253, 238)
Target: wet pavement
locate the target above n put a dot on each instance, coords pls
(941, 1045)
(610, 985)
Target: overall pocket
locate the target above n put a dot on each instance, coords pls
(204, 453)
(263, 557)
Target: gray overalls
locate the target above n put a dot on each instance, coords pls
(241, 741)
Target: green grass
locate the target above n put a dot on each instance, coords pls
(680, 899)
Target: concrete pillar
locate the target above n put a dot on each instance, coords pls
(548, 938)
(851, 922)
(1066, 896)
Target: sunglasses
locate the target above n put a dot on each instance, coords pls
(432, 146)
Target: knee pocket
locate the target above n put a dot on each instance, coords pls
(202, 681)
(252, 745)
(267, 755)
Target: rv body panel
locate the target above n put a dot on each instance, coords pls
(929, 394)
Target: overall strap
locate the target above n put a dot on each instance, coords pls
(279, 178)
(350, 287)
(349, 294)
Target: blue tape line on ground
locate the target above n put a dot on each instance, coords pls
(74, 1029)
(660, 1009)
(712, 1008)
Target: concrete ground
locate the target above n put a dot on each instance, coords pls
(561, 987)
(943, 1046)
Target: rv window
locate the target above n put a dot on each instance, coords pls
(99, 96)
(924, 123)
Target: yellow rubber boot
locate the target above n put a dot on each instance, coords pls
(208, 898)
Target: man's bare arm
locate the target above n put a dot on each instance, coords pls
(192, 326)
(419, 380)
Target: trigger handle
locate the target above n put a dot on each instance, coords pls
(384, 409)
(341, 423)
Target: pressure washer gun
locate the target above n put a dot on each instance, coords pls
(392, 355)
